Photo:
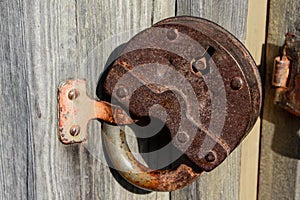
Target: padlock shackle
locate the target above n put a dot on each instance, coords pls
(138, 174)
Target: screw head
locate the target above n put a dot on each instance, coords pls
(172, 34)
(236, 83)
(122, 92)
(210, 157)
(73, 94)
(75, 130)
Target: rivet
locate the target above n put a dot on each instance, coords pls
(210, 157)
(182, 137)
(73, 94)
(75, 130)
(172, 34)
(236, 83)
(122, 92)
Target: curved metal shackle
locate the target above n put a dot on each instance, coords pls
(138, 174)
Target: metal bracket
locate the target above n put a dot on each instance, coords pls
(76, 109)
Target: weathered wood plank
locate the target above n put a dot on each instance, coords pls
(223, 182)
(280, 144)
(230, 14)
(16, 147)
(42, 43)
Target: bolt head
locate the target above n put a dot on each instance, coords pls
(236, 83)
(182, 137)
(75, 130)
(172, 34)
(122, 92)
(210, 157)
(73, 94)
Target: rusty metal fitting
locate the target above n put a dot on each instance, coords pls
(281, 71)
(73, 116)
(286, 75)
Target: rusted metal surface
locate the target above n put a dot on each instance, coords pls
(76, 109)
(220, 70)
(286, 77)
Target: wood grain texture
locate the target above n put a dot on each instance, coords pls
(224, 181)
(280, 143)
(231, 14)
(16, 147)
(41, 44)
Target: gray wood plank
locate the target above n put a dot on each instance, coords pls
(280, 144)
(231, 14)
(16, 147)
(223, 182)
(41, 44)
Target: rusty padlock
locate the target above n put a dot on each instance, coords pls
(286, 77)
(187, 72)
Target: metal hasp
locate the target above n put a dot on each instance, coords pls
(76, 109)
(186, 72)
(286, 77)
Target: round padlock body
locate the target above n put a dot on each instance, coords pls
(195, 77)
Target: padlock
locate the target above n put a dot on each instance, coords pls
(188, 73)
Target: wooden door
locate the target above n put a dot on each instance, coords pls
(45, 42)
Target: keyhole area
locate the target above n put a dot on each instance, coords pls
(200, 64)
